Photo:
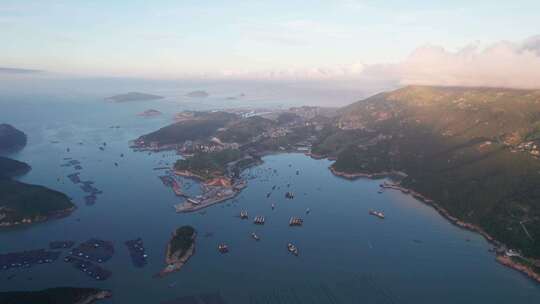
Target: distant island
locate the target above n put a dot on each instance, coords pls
(198, 94)
(471, 153)
(59, 295)
(150, 113)
(133, 96)
(11, 138)
(179, 249)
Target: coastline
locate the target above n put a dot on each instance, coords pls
(39, 219)
(100, 295)
(174, 261)
(501, 258)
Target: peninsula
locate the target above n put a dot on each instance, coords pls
(471, 153)
(179, 249)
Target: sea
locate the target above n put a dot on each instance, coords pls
(345, 255)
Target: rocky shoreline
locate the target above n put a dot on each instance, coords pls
(501, 258)
(178, 259)
(38, 219)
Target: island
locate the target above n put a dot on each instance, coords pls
(133, 96)
(179, 249)
(58, 295)
(22, 203)
(150, 113)
(198, 94)
(11, 139)
(473, 154)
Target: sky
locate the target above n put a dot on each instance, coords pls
(334, 39)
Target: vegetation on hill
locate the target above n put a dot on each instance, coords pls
(209, 164)
(244, 130)
(59, 295)
(203, 125)
(11, 138)
(466, 148)
(20, 201)
(11, 168)
(182, 240)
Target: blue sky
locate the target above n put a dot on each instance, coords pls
(193, 38)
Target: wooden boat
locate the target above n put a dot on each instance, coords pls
(255, 236)
(292, 249)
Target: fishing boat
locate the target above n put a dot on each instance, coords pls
(295, 221)
(292, 249)
(243, 214)
(255, 236)
(273, 206)
(308, 211)
(259, 220)
(223, 248)
(377, 214)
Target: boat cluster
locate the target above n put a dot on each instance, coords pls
(243, 214)
(259, 220)
(289, 195)
(137, 252)
(296, 221)
(26, 259)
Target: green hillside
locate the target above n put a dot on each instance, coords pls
(473, 150)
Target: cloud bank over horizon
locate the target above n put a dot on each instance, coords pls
(501, 64)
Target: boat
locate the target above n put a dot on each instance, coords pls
(273, 206)
(259, 220)
(223, 248)
(289, 195)
(295, 221)
(255, 236)
(308, 211)
(377, 214)
(243, 214)
(292, 249)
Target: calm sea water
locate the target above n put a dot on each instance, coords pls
(346, 255)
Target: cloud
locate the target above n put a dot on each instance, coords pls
(503, 64)
(4, 70)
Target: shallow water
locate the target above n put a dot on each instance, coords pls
(346, 255)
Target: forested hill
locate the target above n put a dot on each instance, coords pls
(473, 150)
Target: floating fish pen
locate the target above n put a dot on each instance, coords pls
(289, 195)
(27, 259)
(223, 248)
(259, 220)
(74, 178)
(90, 200)
(89, 188)
(243, 214)
(71, 162)
(292, 249)
(78, 167)
(166, 180)
(377, 214)
(92, 270)
(295, 221)
(137, 252)
(61, 244)
(94, 250)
